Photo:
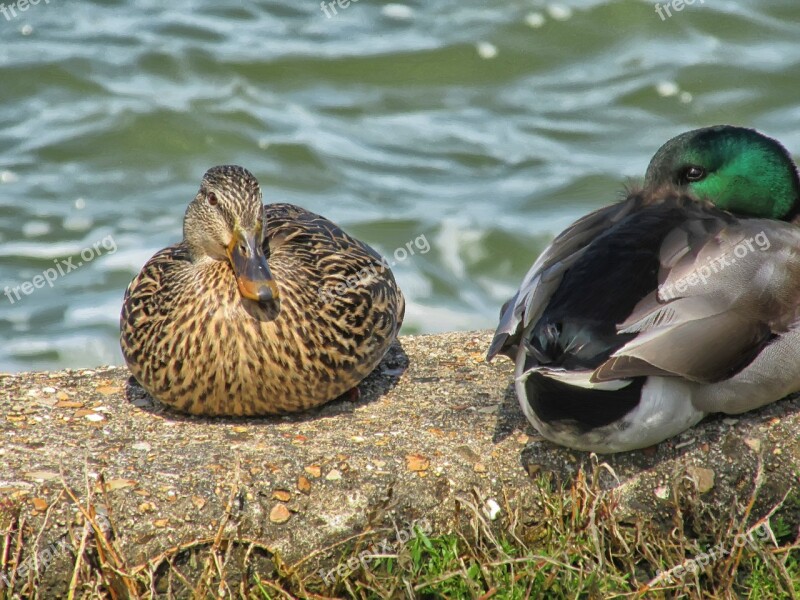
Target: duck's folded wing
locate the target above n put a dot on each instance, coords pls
(545, 275)
(722, 298)
(349, 274)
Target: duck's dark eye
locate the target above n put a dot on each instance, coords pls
(212, 199)
(694, 173)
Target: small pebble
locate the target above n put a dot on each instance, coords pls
(279, 514)
(303, 485)
(417, 462)
(702, 477)
(492, 509)
(282, 495)
(753, 443)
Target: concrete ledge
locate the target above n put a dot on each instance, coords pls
(435, 424)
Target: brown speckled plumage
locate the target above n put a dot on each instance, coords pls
(196, 343)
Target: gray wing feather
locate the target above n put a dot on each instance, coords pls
(721, 299)
(544, 277)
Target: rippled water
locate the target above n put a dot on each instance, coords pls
(484, 126)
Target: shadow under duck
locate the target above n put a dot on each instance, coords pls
(261, 309)
(681, 300)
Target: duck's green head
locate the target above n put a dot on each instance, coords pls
(738, 169)
(225, 222)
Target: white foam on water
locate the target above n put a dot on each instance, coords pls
(559, 12)
(667, 89)
(486, 50)
(535, 20)
(35, 228)
(77, 223)
(398, 12)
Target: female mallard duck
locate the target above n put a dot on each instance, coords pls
(681, 300)
(259, 310)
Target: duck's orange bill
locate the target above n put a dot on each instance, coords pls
(252, 271)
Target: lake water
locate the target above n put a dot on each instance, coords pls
(486, 127)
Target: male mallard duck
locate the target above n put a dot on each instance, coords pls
(259, 310)
(681, 300)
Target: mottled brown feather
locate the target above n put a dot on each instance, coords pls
(195, 343)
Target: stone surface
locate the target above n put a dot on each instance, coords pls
(434, 423)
